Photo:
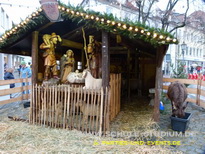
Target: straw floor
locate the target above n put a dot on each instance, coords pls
(21, 137)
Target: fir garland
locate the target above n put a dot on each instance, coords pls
(107, 22)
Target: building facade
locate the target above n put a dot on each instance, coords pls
(191, 47)
(7, 60)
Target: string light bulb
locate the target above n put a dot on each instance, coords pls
(113, 23)
(92, 17)
(108, 21)
(168, 38)
(102, 20)
(142, 31)
(77, 13)
(72, 12)
(124, 26)
(97, 18)
(174, 40)
(59, 7)
(148, 33)
(119, 24)
(130, 28)
(63, 8)
(155, 35)
(136, 29)
(67, 10)
(161, 37)
(87, 16)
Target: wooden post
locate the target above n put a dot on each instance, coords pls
(105, 60)
(161, 51)
(105, 77)
(34, 53)
(128, 75)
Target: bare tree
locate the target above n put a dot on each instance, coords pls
(168, 12)
(143, 13)
(145, 8)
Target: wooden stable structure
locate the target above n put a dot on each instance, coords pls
(134, 51)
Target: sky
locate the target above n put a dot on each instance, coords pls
(23, 8)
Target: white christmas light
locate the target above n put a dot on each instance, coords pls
(174, 40)
(130, 28)
(124, 26)
(148, 33)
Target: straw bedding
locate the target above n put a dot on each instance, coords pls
(21, 137)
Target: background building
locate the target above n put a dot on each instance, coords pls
(8, 60)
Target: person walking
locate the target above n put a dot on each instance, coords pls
(8, 75)
(25, 73)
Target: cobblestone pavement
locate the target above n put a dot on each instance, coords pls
(193, 141)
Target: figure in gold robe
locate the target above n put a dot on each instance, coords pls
(67, 65)
(49, 45)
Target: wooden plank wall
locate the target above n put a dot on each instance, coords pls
(70, 107)
(115, 95)
(198, 91)
(20, 89)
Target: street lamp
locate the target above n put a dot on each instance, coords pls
(183, 47)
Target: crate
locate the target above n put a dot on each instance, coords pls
(180, 124)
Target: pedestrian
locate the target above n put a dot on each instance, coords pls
(9, 76)
(25, 73)
(5, 67)
(191, 69)
(19, 70)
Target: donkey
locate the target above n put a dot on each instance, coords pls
(177, 93)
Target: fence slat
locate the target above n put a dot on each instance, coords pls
(7, 82)
(186, 81)
(197, 91)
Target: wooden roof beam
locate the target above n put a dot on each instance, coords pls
(72, 44)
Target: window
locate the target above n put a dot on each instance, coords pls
(7, 22)
(197, 52)
(2, 17)
(187, 51)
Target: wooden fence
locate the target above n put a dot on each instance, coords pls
(197, 92)
(4, 92)
(70, 107)
(115, 92)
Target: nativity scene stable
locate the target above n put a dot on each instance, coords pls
(85, 63)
